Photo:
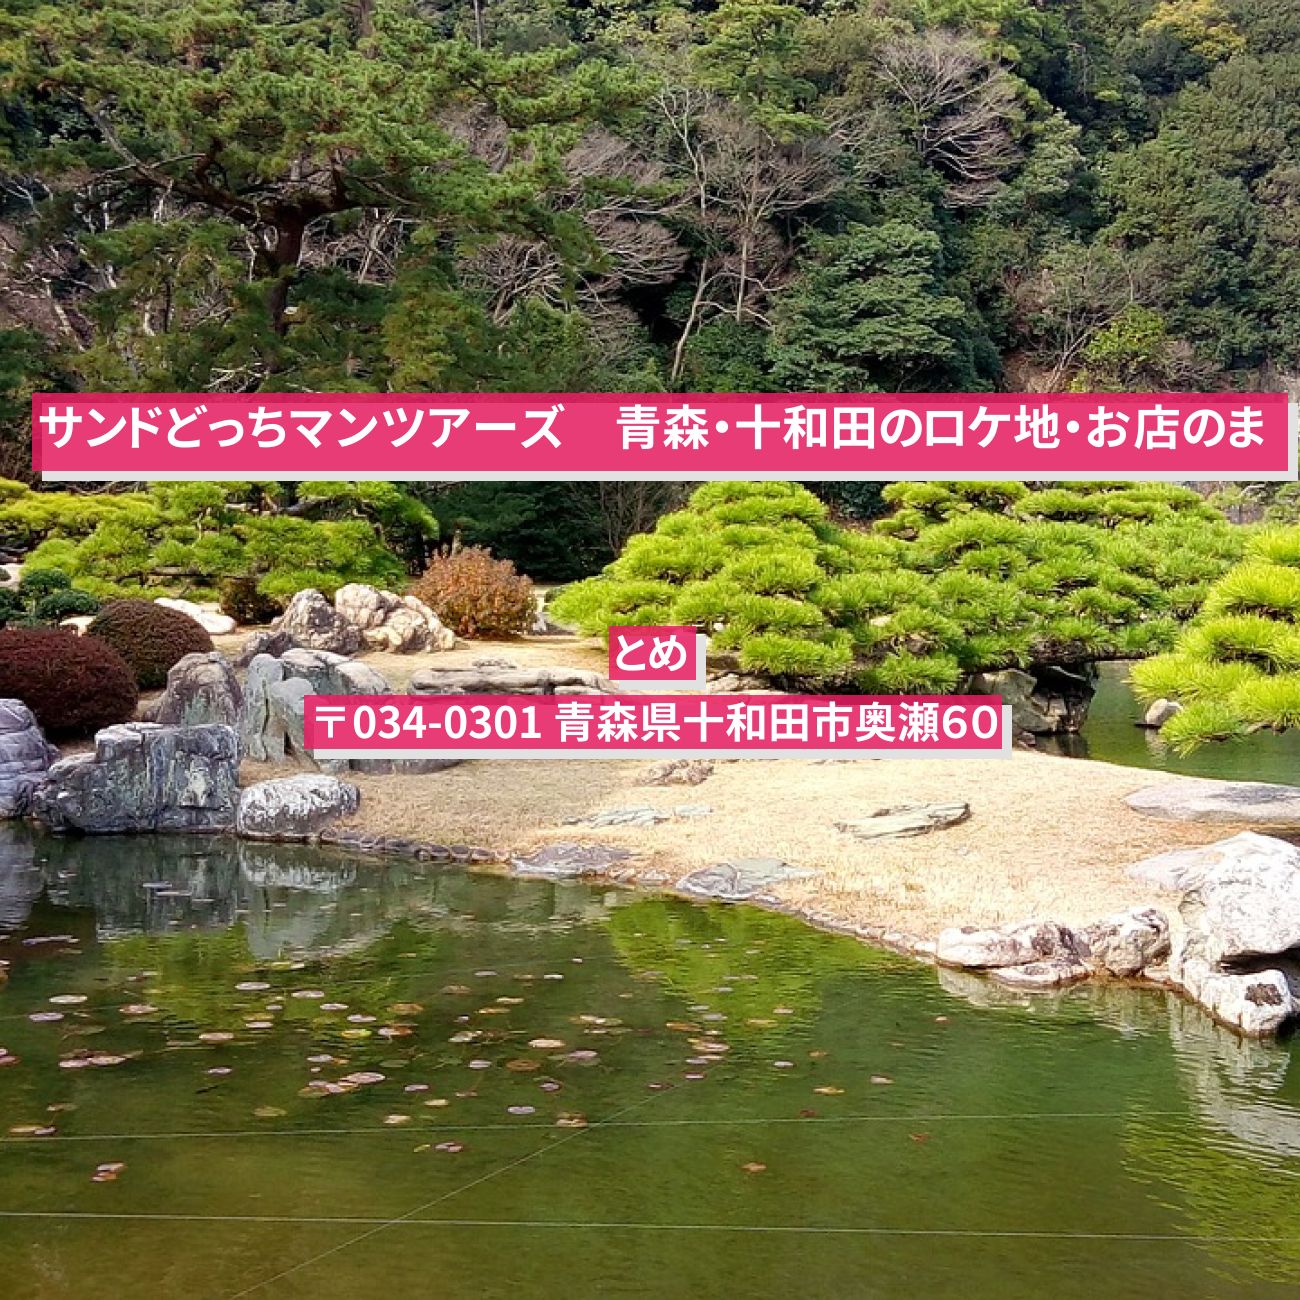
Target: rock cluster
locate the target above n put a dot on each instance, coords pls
(145, 777)
(362, 616)
(1053, 702)
(25, 757)
(499, 678)
(1044, 954)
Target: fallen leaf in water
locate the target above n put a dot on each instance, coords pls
(252, 986)
(829, 1090)
(308, 995)
(567, 1120)
(881, 1078)
(818, 1055)
(494, 1011)
(685, 1026)
(363, 1076)
(270, 1112)
(760, 1022)
(783, 1065)
(259, 1024)
(355, 1033)
(416, 1087)
(510, 1002)
(521, 1110)
(396, 1031)
(582, 1055)
(919, 1137)
(450, 1147)
(437, 1101)
(216, 1036)
(45, 1017)
(358, 1019)
(105, 1059)
(544, 1044)
(7, 1058)
(333, 1006)
(523, 1065)
(454, 988)
(33, 1130)
(754, 1167)
(68, 999)
(941, 1020)
(480, 1064)
(406, 1008)
(137, 1009)
(221, 1070)
(550, 1085)
(393, 1120)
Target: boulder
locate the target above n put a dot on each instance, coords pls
(255, 731)
(1257, 1003)
(145, 777)
(905, 821)
(201, 688)
(294, 807)
(991, 949)
(314, 623)
(1127, 943)
(286, 722)
(1192, 799)
(1247, 905)
(333, 674)
(486, 680)
(272, 641)
(1054, 701)
(363, 606)
(25, 757)
(1160, 712)
(212, 621)
(740, 879)
(678, 771)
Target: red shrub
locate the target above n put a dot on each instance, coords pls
(73, 684)
(475, 595)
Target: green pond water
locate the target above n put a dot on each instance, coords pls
(558, 1091)
(1109, 735)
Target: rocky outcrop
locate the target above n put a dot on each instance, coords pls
(25, 757)
(906, 821)
(1127, 943)
(1191, 799)
(270, 641)
(497, 679)
(315, 624)
(145, 777)
(294, 807)
(569, 861)
(200, 688)
(1054, 700)
(387, 621)
(740, 879)
(994, 949)
(212, 621)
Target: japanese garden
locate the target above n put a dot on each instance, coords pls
(274, 1024)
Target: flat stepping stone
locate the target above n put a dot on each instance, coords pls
(569, 861)
(907, 820)
(740, 879)
(641, 815)
(1192, 800)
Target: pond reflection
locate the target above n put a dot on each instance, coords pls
(227, 1063)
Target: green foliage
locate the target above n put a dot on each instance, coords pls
(189, 538)
(73, 684)
(43, 596)
(1236, 668)
(961, 578)
(150, 638)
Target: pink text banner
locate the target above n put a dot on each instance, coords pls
(656, 726)
(102, 437)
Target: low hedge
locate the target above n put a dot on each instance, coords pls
(151, 638)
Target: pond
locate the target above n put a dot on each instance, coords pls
(237, 1071)
(1110, 736)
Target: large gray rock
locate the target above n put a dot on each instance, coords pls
(287, 710)
(991, 949)
(261, 741)
(25, 757)
(201, 688)
(1127, 943)
(294, 807)
(740, 879)
(906, 821)
(145, 777)
(1248, 904)
(1160, 712)
(270, 641)
(313, 622)
(1190, 799)
(493, 680)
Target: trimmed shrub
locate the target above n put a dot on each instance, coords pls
(477, 595)
(74, 685)
(12, 606)
(242, 601)
(68, 603)
(961, 578)
(151, 638)
(35, 584)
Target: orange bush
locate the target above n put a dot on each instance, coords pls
(476, 595)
